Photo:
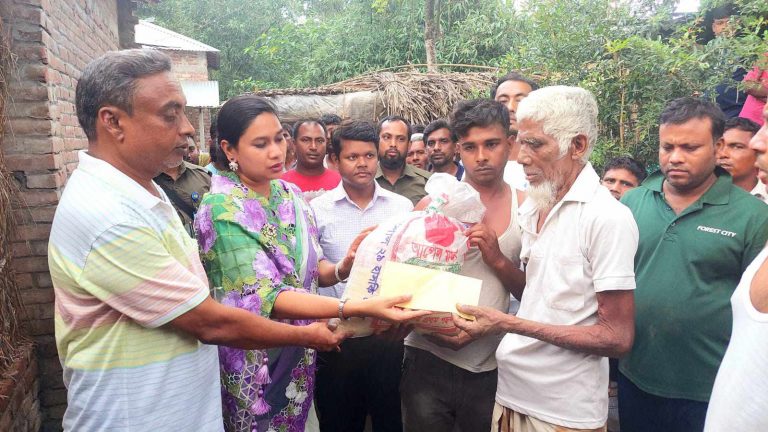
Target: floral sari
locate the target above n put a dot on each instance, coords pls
(255, 247)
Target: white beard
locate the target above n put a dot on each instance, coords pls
(543, 195)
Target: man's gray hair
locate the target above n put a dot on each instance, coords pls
(564, 112)
(111, 80)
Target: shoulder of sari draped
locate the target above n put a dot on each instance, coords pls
(307, 246)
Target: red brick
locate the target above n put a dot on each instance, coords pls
(37, 296)
(43, 280)
(33, 162)
(27, 35)
(33, 232)
(29, 216)
(38, 311)
(26, 14)
(30, 264)
(46, 181)
(29, 109)
(28, 91)
(41, 197)
(29, 126)
(21, 249)
(27, 145)
(24, 280)
(41, 327)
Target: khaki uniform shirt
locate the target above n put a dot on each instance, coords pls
(186, 191)
(410, 184)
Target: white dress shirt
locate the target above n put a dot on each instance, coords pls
(340, 220)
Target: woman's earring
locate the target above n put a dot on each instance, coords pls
(233, 166)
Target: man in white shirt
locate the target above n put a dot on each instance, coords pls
(510, 90)
(578, 249)
(363, 377)
(448, 383)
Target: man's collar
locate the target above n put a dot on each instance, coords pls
(340, 193)
(582, 190)
(717, 194)
(408, 171)
(117, 179)
(182, 168)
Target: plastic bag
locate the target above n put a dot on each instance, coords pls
(433, 238)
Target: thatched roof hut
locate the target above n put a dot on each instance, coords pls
(417, 96)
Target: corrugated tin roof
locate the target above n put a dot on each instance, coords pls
(150, 35)
(201, 94)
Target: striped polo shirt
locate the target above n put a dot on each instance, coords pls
(123, 267)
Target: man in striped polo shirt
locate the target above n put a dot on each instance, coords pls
(132, 299)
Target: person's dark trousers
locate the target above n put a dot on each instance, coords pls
(640, 411)
(362, 379)
(438, 396)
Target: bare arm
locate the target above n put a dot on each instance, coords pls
(213, 323)
(611, 336)
(299, 305)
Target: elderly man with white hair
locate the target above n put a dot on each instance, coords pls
(578, 248)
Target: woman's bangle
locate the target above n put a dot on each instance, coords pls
(342, 302)
(336, 272)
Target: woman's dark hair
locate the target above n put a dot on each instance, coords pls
(236, 115)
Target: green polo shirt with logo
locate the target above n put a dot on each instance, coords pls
(686, 268)
(410, 184)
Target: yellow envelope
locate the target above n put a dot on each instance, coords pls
(432, 290)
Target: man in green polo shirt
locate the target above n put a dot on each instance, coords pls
(698, 232)
(394, 174)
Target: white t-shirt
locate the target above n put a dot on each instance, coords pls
(478, 356)
(739, 399)
(586, 245)
(515, 176)
(759, 191)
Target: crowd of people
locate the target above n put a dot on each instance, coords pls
(194, 290)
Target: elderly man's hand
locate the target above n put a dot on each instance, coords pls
(487, 320)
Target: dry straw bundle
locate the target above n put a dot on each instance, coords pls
(11, 339)
(417, 96)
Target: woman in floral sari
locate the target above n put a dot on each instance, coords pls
(259, 243)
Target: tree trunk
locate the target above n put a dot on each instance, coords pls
(429, 34)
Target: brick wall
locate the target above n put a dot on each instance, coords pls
(189, 65)
(19, 403)
(53, 41)
(194, 117)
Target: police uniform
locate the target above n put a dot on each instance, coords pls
(186, 191)
(410, 184)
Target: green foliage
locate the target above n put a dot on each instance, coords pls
(634, 55)
(624, 53)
